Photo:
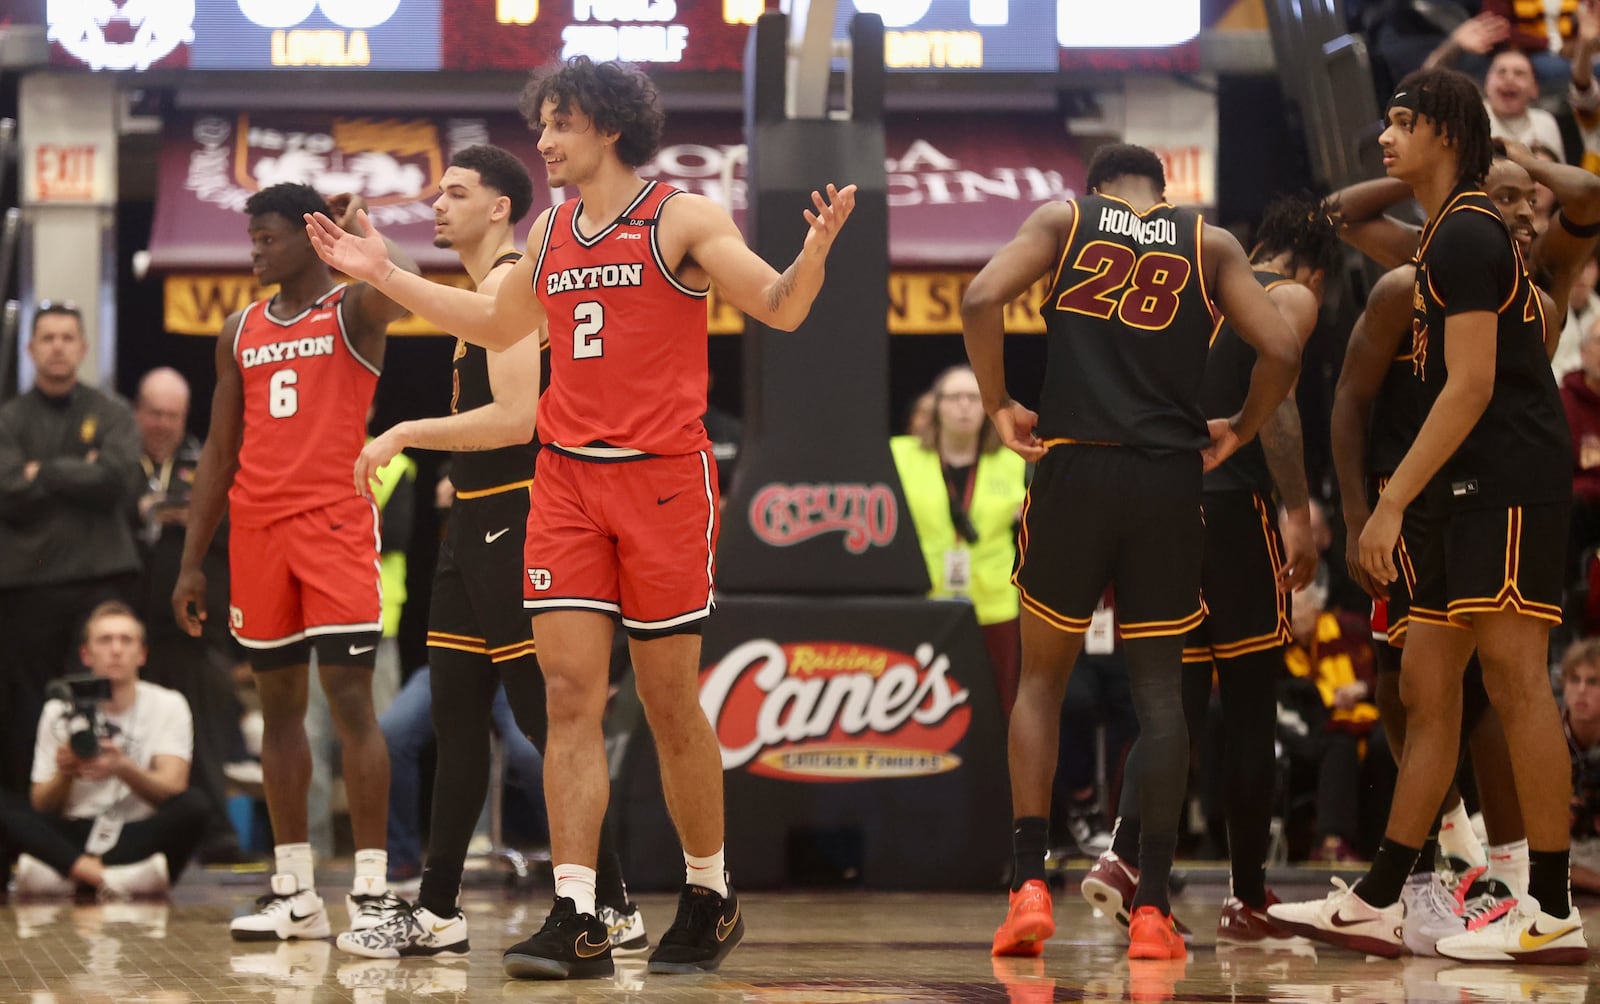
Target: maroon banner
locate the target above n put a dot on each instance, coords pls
(211, 164)
(959, 185)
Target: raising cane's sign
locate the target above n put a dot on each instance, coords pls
(826, 711)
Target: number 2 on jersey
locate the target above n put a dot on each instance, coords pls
(1153, 281)
(588, 318)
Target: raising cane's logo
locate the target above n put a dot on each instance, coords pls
(784, 515)
(835, 711)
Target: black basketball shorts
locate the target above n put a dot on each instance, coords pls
(1492, 561)
(1244, 611)
(1113, 515)
(477, 587)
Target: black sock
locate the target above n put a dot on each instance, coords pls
(1156, 850)
(1125, 834)
(462, 688)
(1155, 682)
(1382, 884)
(1030, 839)
(1428, 857)
(1549, 882)
(609, 889)
(1125, 840)
(1249, 722)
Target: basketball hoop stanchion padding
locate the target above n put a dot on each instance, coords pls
(816, 506)
(860, 729)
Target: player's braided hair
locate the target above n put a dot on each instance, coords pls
(1302, 226)
(501, 171)
(618, 97)
(1454, 104)
(289, 200)
(1121, 160)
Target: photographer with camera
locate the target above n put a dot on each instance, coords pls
(110, 806)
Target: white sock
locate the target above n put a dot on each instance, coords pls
(1509, 864)
(296, 860)
(1457, 840)
(707, 871)
(576, 883)
(373, 867)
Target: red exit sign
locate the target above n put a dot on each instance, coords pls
(64, 172)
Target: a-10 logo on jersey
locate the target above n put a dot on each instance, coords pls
(594, 277)
(279, 352)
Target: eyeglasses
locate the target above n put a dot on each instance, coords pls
(58, 307)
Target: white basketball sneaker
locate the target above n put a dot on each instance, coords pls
(371, 902)
(1524, 934)
(1430, 913)
(411, 931)
(627, 929)
(1344, 919)
(287, 912)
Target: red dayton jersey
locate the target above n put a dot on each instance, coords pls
(627, 338)
(306, 394)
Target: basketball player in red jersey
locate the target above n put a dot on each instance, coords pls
(623, 519)
(295, 377)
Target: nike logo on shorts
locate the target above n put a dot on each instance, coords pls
(490, 538)
(361, 649)
(669, 498)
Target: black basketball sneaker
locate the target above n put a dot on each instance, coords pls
(703, 933)
(570, 945)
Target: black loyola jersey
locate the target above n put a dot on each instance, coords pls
(484, 470)
(1520, 450)
(1402, 401)
(1222, 394)
(1128, 322)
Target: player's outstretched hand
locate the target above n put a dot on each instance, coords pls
(189, 601)
(1015, 425)
(376, 454)
(1378, 539)
(1224, 443)
(365, 257)
(829, 218)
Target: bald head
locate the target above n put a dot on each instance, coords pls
(162, 412)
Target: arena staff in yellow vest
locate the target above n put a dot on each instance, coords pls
(398, 513)
(965, 493)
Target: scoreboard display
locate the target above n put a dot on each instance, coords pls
(945, 36)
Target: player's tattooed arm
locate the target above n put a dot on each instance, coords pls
(1281, 441)
(694, 230)
(781, 289)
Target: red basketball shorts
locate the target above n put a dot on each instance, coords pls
(633, 537)
(305, 576)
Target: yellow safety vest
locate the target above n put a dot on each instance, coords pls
(996, 499)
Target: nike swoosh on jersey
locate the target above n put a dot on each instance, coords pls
(490, 538)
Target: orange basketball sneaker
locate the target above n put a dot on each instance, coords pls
(1028, 923)
(1152, 936)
